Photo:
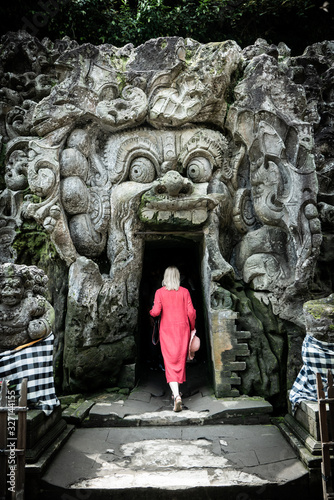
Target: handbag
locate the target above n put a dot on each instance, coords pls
(155, 334)
(194, 345)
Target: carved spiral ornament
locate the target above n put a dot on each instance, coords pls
(203, 151)
(243, 213)
(99, 209)
(142, 170)
(199, 169)
(137, 158)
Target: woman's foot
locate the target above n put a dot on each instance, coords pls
(177, 403)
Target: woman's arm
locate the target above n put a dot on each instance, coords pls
(157, 305)
(191, 312)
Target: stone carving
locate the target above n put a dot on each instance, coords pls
(319, 318)
(317, 351)
(25, 314)
(109, 149)
(281, 171)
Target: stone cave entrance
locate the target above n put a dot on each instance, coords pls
(186, 254)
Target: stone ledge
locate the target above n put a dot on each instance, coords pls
(313, 445)
(44, 460)
(309, 460)
(76, 413)
(198, 410)
(38, 424)
(307, 415)
(34, 453)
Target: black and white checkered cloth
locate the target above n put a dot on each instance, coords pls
(35, 363)
(318, 357)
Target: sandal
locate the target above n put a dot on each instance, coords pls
(177, 403)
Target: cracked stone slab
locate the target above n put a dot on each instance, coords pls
(175, 458)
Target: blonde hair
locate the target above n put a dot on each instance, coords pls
(171, 279)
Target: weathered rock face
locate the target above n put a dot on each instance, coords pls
(319, 318)
(121, 153)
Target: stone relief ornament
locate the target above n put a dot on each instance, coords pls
(25, 314)
(108, 148)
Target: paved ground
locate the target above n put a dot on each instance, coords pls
(176, 458)
(137, 447)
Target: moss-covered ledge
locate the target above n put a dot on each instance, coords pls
(319, 318)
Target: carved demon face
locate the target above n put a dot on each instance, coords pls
(159, 179)
(12, 291)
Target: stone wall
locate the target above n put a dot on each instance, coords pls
(109, 151)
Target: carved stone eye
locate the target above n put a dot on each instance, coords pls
(199, 169)
(142, 170)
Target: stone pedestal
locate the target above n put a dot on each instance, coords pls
(307, 415)
(305, 426)
(45, 437)
(302, 428)
(42, 431)
(303, 433)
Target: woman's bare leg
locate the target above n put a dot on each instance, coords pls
(174, 388)
(177, 398)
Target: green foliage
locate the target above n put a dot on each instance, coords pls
(118, 22)
(298, 23)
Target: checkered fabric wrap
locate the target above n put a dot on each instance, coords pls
(36, 364)
(318, 357)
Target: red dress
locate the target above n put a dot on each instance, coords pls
(177, 319)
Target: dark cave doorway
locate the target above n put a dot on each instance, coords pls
(186, 255)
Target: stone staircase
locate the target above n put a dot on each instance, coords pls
(125, 446)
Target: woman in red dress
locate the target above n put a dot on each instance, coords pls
(178, 316)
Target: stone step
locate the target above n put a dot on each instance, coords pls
(75, 413)
(242, 334)
(143, 409)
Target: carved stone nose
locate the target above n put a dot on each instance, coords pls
(173, 183)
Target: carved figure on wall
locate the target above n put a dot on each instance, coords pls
(161, 138)
(25, 314)
(11, 200)
(26, 339)
(317, 350)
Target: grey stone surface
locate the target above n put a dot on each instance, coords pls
(179, 455)
(143, 408)
(307, 414)
(319, 318)
(25, 313)
(75, 413)
(303, 435)
(175, 459)
(110, 150)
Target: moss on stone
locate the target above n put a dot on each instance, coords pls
(33, 245)
(124, 391)
(164, 43)
(121, 80)
(316, 310)
(189, 55)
